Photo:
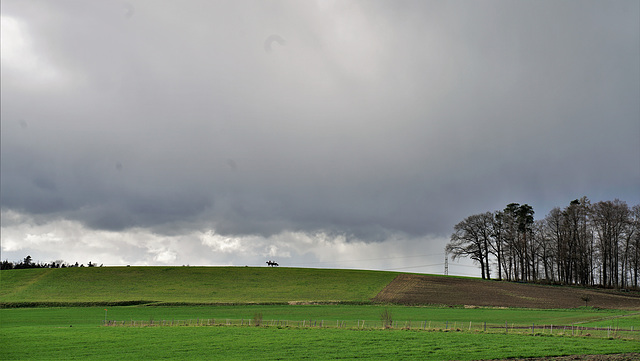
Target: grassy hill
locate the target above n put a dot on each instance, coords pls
(190, 285)
(220, 285)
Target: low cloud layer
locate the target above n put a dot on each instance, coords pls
(211, 132)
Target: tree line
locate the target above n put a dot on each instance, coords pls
(27, 262)
(581, 244)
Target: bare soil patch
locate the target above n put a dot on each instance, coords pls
(615, 357)
(412, 289)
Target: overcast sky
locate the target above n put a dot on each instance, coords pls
(351, 134)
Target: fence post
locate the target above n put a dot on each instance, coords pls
(506, 327)
(469, 325)
(533, 327)
(485, 326)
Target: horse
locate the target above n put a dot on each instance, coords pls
(272, 264)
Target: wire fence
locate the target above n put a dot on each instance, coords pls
(612, 331)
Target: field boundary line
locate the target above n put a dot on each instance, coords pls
(608, 318)
(534, 329)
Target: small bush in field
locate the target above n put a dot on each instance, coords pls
(387, 318)
(257, 318)
(586, 299)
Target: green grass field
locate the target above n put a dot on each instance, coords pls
(94, 316)
(250, 343)
(71, 333)
(191, 284)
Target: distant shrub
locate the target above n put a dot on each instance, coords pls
(387, 318)
(257, 319)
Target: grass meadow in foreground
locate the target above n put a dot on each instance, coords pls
(257, 343)
(74, 333)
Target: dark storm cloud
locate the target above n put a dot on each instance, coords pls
(374, 120)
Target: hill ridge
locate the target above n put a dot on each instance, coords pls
(261, 285)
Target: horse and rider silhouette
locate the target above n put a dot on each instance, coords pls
(272, 264)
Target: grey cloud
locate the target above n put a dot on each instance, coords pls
(271, 39)
(129, 10)
(375, 120)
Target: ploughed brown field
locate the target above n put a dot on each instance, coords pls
(617, 357)
(412, 289)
